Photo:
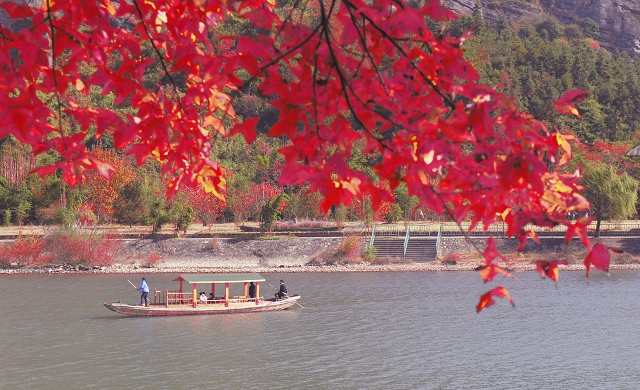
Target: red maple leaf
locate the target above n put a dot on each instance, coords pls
(491, 253)
(599, 257)
(487, 300)
(246, 128)
(565, 105)
(579, 228)
(488, 272)
(549, 269)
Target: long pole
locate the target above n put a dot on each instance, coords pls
(296, 302)
(134, 286)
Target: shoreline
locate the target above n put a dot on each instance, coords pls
(356, 267)
(321, 255)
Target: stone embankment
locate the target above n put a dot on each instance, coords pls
(191, 255)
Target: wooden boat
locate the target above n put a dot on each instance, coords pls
(180, 303)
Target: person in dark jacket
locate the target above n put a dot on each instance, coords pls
(252, 290)
(283, 291)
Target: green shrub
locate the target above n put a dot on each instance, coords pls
(272, 211)
(6, 217)
(395, 214)
(370, 254)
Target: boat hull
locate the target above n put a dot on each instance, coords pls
(209, 309)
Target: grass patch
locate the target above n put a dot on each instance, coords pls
(273, 238)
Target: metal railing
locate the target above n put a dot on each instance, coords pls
(438, 241)
(388, 230)
(623, 228)
(424, 230)
(450, 229)
(406, 241)
(411, 230)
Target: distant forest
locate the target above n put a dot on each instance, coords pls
(535, 61)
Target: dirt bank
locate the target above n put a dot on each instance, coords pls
(233, 252)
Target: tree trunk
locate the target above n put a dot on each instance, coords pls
(597, 233)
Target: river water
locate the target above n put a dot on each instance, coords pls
(357, 331)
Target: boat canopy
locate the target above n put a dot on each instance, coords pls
(220, 278)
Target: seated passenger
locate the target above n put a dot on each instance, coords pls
(203, 298)
(211, 297)
(283, 291)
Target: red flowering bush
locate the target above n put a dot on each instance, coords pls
(25, 250)
(64, 246)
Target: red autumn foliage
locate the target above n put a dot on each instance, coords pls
(361, 206)
(62, 247)
(487, 300)
(349, 248)
(207, 206)
(80, 247)
(152, 260)
(491, 270)
(593, 44)
(611, 154)
(549, 269)
(565, 105)
(339, 72)
(579, 228)
(600, 257)
(25, 250)
(102, 191)
(247, 203)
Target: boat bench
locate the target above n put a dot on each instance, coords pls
(217, 300)
(240, 298)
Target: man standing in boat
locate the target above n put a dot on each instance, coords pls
(252, 290)
(283, 291)
(144, 291)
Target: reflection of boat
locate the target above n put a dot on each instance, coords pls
(179, 303)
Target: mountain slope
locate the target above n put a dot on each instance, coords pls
(619, 20)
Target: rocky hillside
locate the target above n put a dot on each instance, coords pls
(619, 20)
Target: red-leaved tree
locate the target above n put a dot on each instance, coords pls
(337, 71)
(247, 203)
(207, 207)
(102, 192)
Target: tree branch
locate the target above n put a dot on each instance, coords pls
(344, 84)
(280, 57)
(49, 18)
(393, 41)
(156, 50)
